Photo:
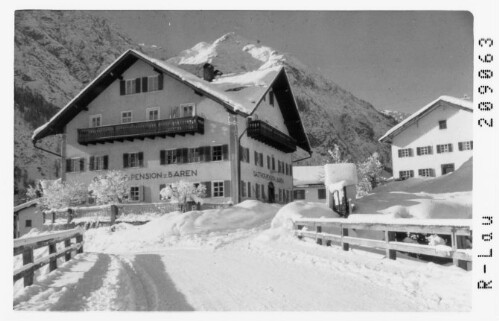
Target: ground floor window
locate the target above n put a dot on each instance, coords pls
(257, 191)
(249, 189)
(135, 194)
(447, 168)
(299, 194)
(218, 189)
(27, 223)
(427, 172)
(406, 174)
(243, 189)
(280, 195)
(321, 193)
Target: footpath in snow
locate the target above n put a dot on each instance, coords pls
(243, 258)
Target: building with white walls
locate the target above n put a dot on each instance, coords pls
(308, 183)
(435, 140)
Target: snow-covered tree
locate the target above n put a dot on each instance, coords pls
(183, 192)
(110, 188)
(336, 157)
(369, 173)
(59, 194)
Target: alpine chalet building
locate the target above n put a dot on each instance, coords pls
(161, 124)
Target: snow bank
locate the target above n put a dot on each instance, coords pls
(340, 172)
(172, 228)
(300, 209)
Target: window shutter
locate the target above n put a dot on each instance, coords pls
(450, 147)
(249, 189)
(141, 159)
(400, 153)
(208, 188)
(411, 152)
(432, 172)
(226, 188)
(180, 160)
(256, 157)
(137, 85)
(125, 160)
(412, 173)
(471, 143)
(430, 149)
(91, 163)
(122, 87)
(68, 165)
(185, 156)
(273, 163)
(162, 157)
(82, 164)
(248, 155)
(261, 159)
(144, 84)
(160, 82)
(268, 161)
(418, 150)
(106, 162)
(225, 152)
(460, 146)
(207, 153)
(438, 149)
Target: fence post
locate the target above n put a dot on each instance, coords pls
(456, 243)
(27, 259)
(318, 229)
(67, 243)
(114, 213)
(53, 261)
(53, 217)
(70, 215)
(390, 236)
(344, 232)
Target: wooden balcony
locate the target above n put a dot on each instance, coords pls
(141, 130)
(269, 135)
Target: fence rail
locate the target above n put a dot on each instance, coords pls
(313, 228)
(27, 246)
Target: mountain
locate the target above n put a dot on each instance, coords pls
(395, 114)
(57, 53)
(331, 115)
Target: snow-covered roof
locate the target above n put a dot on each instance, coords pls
(451, 101)
(239, 93)
(308, 175)
(33, 202)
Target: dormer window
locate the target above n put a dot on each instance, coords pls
(132, 86)
(143, 84)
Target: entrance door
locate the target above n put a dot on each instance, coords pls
(447, 168)
(271, 192)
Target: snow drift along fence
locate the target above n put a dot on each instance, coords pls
(26, 247)
(461, 229)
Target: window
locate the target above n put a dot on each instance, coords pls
(126, 117)
(133, 160)
(244, 154)
(427, 172)
(187, 110)
(466, 145)
(406, 174)
(445, 148)
(273, 163)
(321, 193)
(96, 121)
(134, 194)
(268, 161)
(299, 194)
(152, 83)
(152, 113)
(249, 189)
(257, 191)
(261, 159)
(175, 112)
(442, 124)
(217, 153)
(98, 163)
(193, 156)
(243, 189)
(271, 98)
(132, 86)
(27, 223)
(218, 189)
(407, 152)
(426, 150)
(171, 156)
(75, 165)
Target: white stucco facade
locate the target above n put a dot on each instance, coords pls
(426, 133)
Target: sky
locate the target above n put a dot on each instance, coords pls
(394, 60)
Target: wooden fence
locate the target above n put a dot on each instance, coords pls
(458, 233)
(26, 247)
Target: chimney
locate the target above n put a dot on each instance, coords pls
(208, 72)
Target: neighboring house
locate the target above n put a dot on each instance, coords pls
(26, 217)
(435, 140)
(161, 124)
(308, 183)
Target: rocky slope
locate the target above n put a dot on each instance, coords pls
(397, 115)
(331, 115)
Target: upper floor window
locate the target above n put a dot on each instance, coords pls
(152, 113)
(95, 120)
(133, 160)
(193, 156)
(444, 148)
(132, 86)
(168, 157)
(97, 163)
(144, 84)
(217, 153)
(466, 145)
(407, 152)
(426, 150)
(75, 165)
(126, 117)
(188, 110)
(442, 124)
(152, 83)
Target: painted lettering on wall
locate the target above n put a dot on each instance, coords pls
(169, 174)
(268, 177)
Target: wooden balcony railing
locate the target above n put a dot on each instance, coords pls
(269, 135)
(141, 130)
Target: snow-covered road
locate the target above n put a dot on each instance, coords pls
(246, 275)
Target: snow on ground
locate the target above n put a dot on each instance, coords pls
(243, 258)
